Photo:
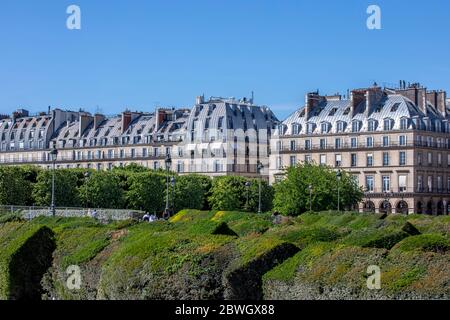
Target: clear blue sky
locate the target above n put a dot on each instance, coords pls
(140, 53)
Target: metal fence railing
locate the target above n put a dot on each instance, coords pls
(32, 212)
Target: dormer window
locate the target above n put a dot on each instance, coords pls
(438, 125)
(372, 125)
(310, 128)
(295, 129)
(347, 111)
(356, 126)
(340, 126)
(281, 129)
(403, 124)
(387, 124)
(324, 127)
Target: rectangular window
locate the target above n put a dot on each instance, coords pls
(293, 161)
(370, 160)
(308, 158)
(402, 183)
(369, 183)
(293, 145)
(354, 160)
(402, 140)
(402, 158)
(369, 142)
(307, 144)
(385, 158)
(144, 152)
(179, 166)
(323, 159)
(323, 143)
(439, 159)
(430, 184)
(420, 183)
(439, 184)
(430, 158)
(386, 183)
(385, 141)
(279, 163)
(448, 184)
(419, 158)
(337, 143)
(133, 153)
(354, 142)
(338, 161)
(279, 145)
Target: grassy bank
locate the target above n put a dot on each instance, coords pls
(233, 255)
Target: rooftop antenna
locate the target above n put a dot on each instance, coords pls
(253, 96)
(98, 110)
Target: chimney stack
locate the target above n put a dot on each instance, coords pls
(200, 99)
(85, 122)
(312, 101)
(98, 119)
(373, 95)
(356, 97)
(441, 104)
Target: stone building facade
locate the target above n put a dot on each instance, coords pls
(221, 136)
(395, 143)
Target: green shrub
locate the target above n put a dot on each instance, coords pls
(25, 256)
(11, 217)
(424, 242)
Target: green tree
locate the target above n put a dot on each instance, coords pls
(102, 189)
(147, 191)
(191, 192)
(292, 193)
(230, 193)
(66, 191)
(16, 185)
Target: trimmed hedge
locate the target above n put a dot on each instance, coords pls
(24, 258)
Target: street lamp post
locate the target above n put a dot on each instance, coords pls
(53, 155)
(86, 177)
(259, 167)
(338, 176)
(310, 198)
(247, 187)
(168, 162)
(173, 192)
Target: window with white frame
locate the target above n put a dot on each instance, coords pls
(402, 183)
